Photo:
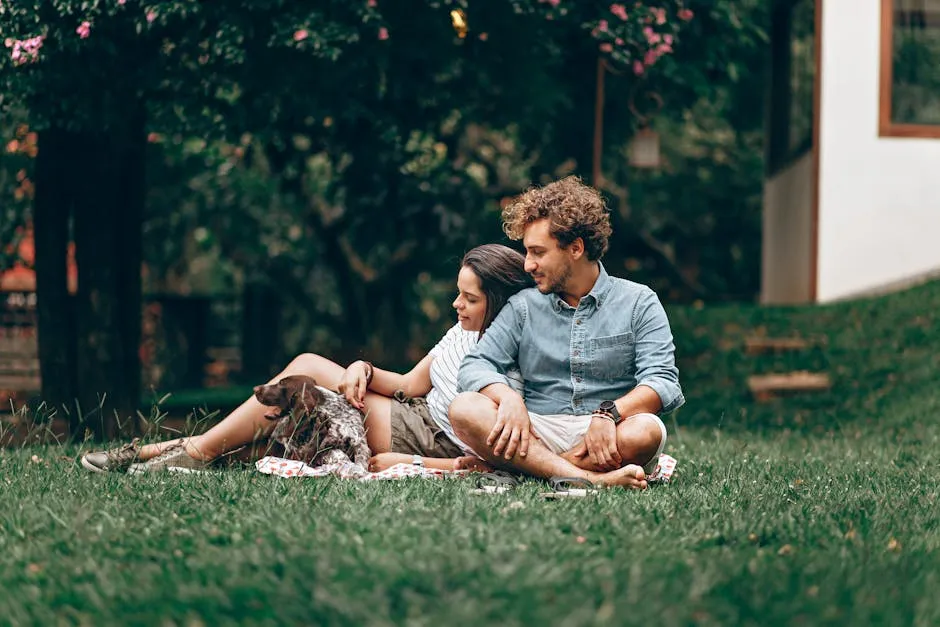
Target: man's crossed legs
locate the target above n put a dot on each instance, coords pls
(640, 439)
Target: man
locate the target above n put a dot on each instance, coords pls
(596, 353)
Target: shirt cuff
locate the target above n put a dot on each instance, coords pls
(477, 382)
(670, 394)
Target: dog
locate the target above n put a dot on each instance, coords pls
(316, 426)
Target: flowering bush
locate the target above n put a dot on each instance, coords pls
(73, 49)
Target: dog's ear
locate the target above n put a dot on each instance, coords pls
(308, 396)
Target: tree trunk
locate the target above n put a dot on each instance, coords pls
(109, 196)
(55, 319)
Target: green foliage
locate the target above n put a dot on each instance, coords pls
(382, 137)
(17, 150)
(692, 228)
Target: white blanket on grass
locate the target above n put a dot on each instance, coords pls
(291, 468)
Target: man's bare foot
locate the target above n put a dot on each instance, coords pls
(471, 463)
(630, 476)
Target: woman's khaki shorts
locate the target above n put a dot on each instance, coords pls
(414, 431)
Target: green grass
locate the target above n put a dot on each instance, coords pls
(809, 510)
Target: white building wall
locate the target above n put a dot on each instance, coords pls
(879, 198)
(787, 248)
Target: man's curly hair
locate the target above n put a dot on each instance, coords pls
(575, 210)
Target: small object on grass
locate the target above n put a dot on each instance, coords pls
(496, 482)
(569, 487)
(757, 344)
(767, 386)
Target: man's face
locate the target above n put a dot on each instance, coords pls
(548, 263)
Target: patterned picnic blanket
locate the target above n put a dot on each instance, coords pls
(291, 468)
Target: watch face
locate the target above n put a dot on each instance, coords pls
(608, 406)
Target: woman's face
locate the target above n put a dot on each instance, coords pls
(470, 302)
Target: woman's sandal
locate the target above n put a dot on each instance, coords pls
(569, 487)
(496, 482)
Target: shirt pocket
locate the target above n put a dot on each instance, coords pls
(612, 356)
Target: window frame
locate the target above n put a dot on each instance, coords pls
(886, 127)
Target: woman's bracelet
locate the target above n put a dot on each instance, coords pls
(370, 370)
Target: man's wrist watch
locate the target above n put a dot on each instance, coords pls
(609, 408)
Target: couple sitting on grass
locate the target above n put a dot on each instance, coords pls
(554, 368)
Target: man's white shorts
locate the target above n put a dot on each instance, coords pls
(561, 433)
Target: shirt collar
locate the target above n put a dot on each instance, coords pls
(598, 292)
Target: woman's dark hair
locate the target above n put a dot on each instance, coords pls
(501, 271)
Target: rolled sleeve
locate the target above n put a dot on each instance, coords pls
(497, 351)
(655, 353)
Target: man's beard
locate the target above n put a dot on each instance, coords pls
(557, 286)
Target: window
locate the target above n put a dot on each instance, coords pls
(793, 45)
(910, 68)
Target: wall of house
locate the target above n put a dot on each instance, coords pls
(787, 235)
(879, 197)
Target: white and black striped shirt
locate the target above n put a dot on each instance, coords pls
(447, 354)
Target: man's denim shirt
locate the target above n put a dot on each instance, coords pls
(617, 338)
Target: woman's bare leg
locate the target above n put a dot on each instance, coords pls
(247, 424)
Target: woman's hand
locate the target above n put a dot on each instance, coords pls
(384, 461)
(354, 384)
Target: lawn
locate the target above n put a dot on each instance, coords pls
(816, 509)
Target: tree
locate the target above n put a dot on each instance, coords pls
(97, 76)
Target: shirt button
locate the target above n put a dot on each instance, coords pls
(578, 379)
(577, 321)
(576, 353)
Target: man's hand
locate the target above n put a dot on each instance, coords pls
(600, 443)
(354, 384)
(510, 434)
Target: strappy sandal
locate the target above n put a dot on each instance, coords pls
(496, 482)
(569, 487)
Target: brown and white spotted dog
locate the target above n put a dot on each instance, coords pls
(316, 426)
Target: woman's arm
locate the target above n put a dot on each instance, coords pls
(357, 379)
(417, 382)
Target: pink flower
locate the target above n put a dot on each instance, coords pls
(483, 36)
(121, 2)
(372, 4)
(668, 39)
(602, 26)
(554, 3)
(619, 10)
(652, 36)
(660, 15)
(84, 30)
(383, 33)
(618, 41)
(300, 35)
(151, 16)
(638, 68)
(26, 50)
(686, 14)
(606, 47)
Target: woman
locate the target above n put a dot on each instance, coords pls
(406, 414)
